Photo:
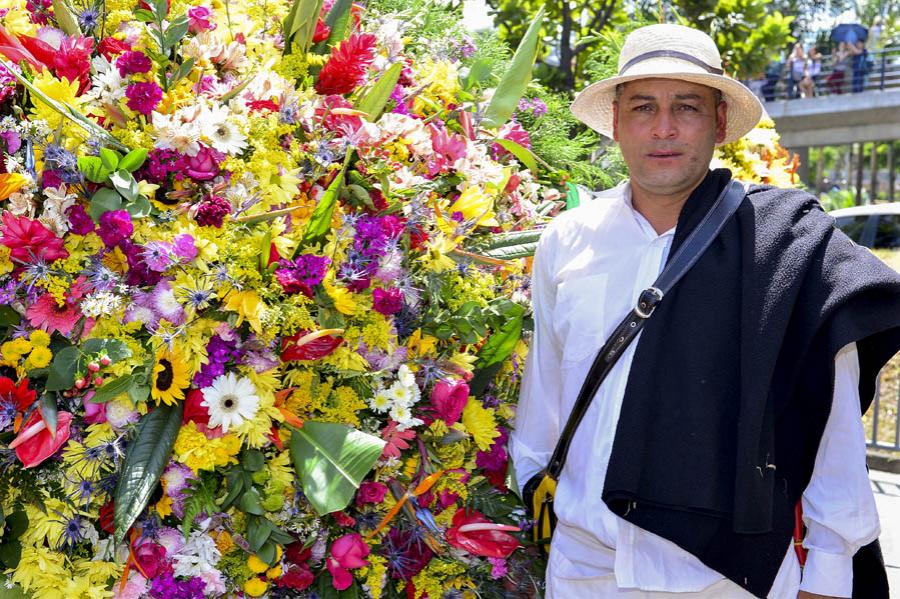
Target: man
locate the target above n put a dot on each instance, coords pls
(742, 395)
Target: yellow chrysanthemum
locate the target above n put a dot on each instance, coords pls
(39, 338)
(479, 422)
(39, 358)
(249, 306)
(170, 378)
(195, 451)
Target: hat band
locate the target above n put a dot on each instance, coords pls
(670, 54)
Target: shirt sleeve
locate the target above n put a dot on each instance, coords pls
(838, 505)
(537, 415)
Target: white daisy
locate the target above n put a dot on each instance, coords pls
(402, 415)
(226, 137)
(406, 376)
(381, 402)
(400, 394)
(230, 401)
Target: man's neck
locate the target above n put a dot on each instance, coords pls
(661, 211)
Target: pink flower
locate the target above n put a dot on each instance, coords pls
(498, 567)
(449, 399)
(512, 131)
(30, 240)
(204, 165)
(387, 301)
(115, 227)
(144, 96)
(152, 558)
(46, 314)
(347, 552)
(370, 492)
(94, 413)
(199, 19)
(396, 440)
(212, 211)
(131, 63)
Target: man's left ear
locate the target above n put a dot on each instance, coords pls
(721, 121)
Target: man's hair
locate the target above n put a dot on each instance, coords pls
(718, 97)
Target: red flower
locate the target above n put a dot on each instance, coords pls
(296, 577)
(322, 32)
(107, 517)
(309, 350)
(34, 444)
(474, 533)
(46, 314)
(21, 395)
(396, 440)
(30, 240)
(71, 60)
(347, 65)
(110, 47)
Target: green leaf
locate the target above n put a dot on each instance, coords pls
(509, 252)
(145, 460)
(234, 92)
(300, 24)
(176, 30)
(501, 344)
(521, 153)
(253, 460)
(9, 317)
(110, 159)
(160, 9)
(183, 70)
(250, 502)
(509, 238)
(377, 97)
(93, 169)
(479, 72)
(143, 15)
(338, 18)
(515, 80)
(331, 460)
(125, 184)
(140, 207)
(267, 553)
(320, 222)
(62, 369)
(139, 393)
(113, 389)
(133, 160)
(573, 198)
(258, 531)
(48, 412)
(66, 18)
(115, 349)
(104, 200)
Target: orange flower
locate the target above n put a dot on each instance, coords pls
(10, 183)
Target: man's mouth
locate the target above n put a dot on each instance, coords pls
(663, 154)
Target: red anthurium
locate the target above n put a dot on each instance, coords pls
(34, 444)
(310, 346)
(473, 532)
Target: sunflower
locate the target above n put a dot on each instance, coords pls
(170, 378)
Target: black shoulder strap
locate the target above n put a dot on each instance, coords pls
(685, 257)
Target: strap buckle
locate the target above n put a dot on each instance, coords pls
(647, 302)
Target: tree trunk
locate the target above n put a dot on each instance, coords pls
(565, 48)
(860, 159)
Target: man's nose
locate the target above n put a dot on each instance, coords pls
(664, 125)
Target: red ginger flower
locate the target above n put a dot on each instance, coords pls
(347, 65)
(30, 240)
(19, 394)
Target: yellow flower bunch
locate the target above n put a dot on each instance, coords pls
(195, 451)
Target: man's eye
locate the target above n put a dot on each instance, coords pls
(687, 108)
(643, 108)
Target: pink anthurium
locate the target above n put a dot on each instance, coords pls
(35, 443)
(473, 532)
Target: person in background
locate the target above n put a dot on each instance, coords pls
(773, 74)
(813, 71)
(796, 64)
(875, 34)
(840, 63)
(859, 57)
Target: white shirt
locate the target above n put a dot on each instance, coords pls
(590, 267)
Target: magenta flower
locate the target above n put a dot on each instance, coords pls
(115, 227)
(199, 19)
(347, 552)
(212, 211)
(185, 247)
(387, 301)
(449, 399)
(131, 63)
(80, 222)
(204, 165)
(143, 97)
(370, 492)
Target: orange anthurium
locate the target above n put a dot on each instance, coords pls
(10, 183)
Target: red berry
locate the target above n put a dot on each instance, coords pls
(98, 381)
(93, 367)
(105, 361)
(81, 384)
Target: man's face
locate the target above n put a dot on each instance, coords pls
(667, 130)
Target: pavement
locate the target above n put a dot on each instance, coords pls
(886, 486)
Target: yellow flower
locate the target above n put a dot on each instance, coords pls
(64, 92)
(255, 587)
(256, 565)
(342, 298)
(421, 344)
(195, 451)
(11, 183)
(249, 306)
(479, 422)
(39, 358)
(170, 378)
(39, 338)
(435, 258)
(475, 205)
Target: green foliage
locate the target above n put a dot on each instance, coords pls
(437, 25)
(747, 32)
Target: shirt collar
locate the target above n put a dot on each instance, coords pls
(644, 225)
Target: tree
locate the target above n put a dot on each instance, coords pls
(569, 33)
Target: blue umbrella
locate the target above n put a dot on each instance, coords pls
(849, 32)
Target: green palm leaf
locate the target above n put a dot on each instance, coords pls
(331, 460)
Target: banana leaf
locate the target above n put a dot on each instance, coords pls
(515, 81)
(147, 456)
(331, 460)
(377, 97)
(299, 25)
(65, 16)
(509, 238)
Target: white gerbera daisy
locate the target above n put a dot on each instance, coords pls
(227, 138)
(230, 401)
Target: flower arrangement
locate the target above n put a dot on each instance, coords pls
(262, 301)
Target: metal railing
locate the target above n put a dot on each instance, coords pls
(882, 421)
(883, 74)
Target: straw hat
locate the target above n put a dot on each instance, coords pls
(669, 52)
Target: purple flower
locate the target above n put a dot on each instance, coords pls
(177, 477)
(130, 63)
(496, 459)
(7, 85)
(185, 247)
(159, 255)
(115, 227)
(12, 139)
(212, 210)
(387, 301)
(139, 274)
(143, 97)
(205, 165)
(302, 274)
(220, 352)
(166, 587)
(80, 222)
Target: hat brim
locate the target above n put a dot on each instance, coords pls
(594, 105)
